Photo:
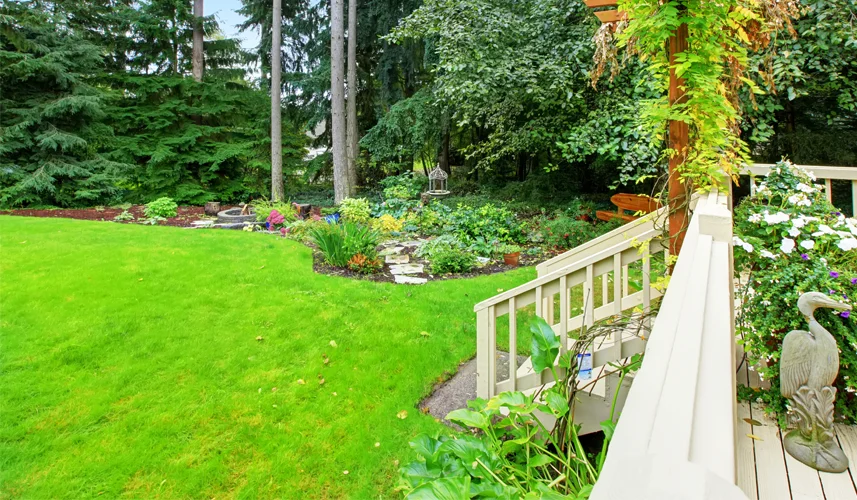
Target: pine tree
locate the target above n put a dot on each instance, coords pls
(50, 129)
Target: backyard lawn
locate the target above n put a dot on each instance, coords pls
(156, 362)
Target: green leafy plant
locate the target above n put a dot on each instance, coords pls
(789, 240)
(355, 210)
(489, 222)
(340, 242)
(452, 261)
(125, 215)
(428, 249)
(406, 186)
(507, 249)
(511, 453)
(162, 207)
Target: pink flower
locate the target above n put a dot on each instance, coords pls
(275, 218)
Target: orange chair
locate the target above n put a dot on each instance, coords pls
(631, 202)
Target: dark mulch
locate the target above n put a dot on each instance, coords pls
(186, 214)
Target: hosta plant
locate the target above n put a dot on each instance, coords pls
(355, 210)
(510, 453)
(162, 207)
(790, 240)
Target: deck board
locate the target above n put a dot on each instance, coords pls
(766, 472)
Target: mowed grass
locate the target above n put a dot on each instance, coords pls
(129, 365)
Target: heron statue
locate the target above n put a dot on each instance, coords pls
(808, 367)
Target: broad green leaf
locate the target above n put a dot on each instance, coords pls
(448, 488)
(545, 345)
(468, 418)
(556, 402)
(426, 447)
(540, 460)
(609, 428)
(418, 473)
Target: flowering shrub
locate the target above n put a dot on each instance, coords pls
(264, 209)
(790, 240)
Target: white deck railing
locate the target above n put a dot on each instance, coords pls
(676, 434)
(569, 280)
(822, 173)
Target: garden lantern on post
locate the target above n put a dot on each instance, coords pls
(437, 182)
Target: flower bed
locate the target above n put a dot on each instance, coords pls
(789, 239)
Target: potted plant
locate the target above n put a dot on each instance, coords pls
(511, 254)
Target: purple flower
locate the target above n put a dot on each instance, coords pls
(804, 256)
(831, 292)
(845, 314)
(834, 274)
(854, 281)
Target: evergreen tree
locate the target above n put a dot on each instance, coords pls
(50, 115)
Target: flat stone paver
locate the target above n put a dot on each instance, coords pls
(406, 268)
(409, 280)
(412, 243)
(397, 259)
(391, 251)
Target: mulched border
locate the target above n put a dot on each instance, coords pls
(185, 214)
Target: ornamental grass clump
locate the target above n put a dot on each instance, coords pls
(789, 240)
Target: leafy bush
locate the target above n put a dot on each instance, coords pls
(340, 242)
(428, 249)
(395, 207)
(355, 210)
(790, 240)
(513, 455)
(388, 224)
(162, 207)
(490, 222)
(301, 229)
(567, 232)
(452, 261)
(406, 186)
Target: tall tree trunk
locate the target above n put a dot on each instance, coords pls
(198, 60)
(337, 101)
(443, 157)
(277, 190)
(353, 131)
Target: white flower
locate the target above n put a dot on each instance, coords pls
(787, 245)
(806, 189)
(794, 232)
(776, 218)
(765, 253)
(807, 244)
(846, 244)
(743, 244)
(755, 218)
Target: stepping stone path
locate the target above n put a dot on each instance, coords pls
(406, 269)
(409, 280)
(391, 251)
(397, 259)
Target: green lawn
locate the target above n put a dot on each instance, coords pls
(129, 365)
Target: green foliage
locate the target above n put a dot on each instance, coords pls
(444, 243)
(162, 207)
(447, 261)
(50, 124)
(511, 454)
(264, 208)
(489, 222)
(790, 241)
(566, 232)
(340, 242)
(406, 186)
(363, 264)
(302, 229)
(124, 216)
(355, 210)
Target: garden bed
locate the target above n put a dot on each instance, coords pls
(186, 214)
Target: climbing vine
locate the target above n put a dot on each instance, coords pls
(714, 67)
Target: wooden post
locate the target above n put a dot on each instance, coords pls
(678, 139)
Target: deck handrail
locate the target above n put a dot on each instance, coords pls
(822, 172)
(676, 434)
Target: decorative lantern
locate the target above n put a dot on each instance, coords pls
(437, 182)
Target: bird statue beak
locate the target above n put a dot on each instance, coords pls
(833, 304)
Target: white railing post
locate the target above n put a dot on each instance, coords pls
(486, 353)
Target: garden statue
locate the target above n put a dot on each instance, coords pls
(808, 367)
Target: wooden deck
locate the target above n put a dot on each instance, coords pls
(767, 472)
